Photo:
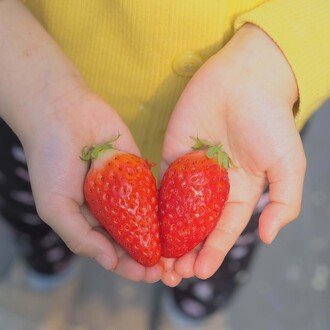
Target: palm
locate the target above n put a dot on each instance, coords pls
(57, 176)
(261, 143)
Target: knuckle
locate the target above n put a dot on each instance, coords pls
(43, 212)
(75, 247)
(219, 244)
(297, 163)
(297, 213)
(303, 163)
(79, 246)
(224, 231)
(294, 215)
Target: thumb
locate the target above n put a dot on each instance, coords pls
(65, 217)
(286, 180)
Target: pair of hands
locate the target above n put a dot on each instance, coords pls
(243, 96)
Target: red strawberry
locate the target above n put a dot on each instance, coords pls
(121, 193)
(193, 192)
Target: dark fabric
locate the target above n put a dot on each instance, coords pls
(198, 299)
(42, 249)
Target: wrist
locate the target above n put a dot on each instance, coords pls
(36, 77)
(59, 94)
(255, 52)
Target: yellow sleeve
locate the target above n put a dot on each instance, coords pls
(301, 29)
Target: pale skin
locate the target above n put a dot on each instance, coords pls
(242, 97)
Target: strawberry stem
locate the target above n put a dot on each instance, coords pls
(213, 152)
(90, 153)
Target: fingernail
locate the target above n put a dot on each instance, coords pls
(273, 235)
(105, 261)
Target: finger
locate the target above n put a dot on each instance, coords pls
(108, 124)
(70, 224)
(196, 113)
(184, 266)
(286, 181)
(169, 276)
(89, 217)
(167, 264)
(153, 274)
(171, 279)
(233, 220)
(172, 150)
(128, 267)
(133, 271)
(126, 143)
(84, 240)
(130, 270)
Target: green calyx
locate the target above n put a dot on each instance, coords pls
(213, 152)
(90, 153)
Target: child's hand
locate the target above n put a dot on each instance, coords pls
(243, 97)
(53, 145)
(45, 101)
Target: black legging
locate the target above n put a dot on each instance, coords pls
(45, 252)
(42, 249)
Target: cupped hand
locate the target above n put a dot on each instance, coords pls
(53, 145)
(45, 101)
(243, 97)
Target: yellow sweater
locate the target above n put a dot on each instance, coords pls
(139, 54)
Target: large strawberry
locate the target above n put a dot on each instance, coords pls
(193, 192)
(121, 193)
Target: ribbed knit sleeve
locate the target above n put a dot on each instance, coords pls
(301, 28)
